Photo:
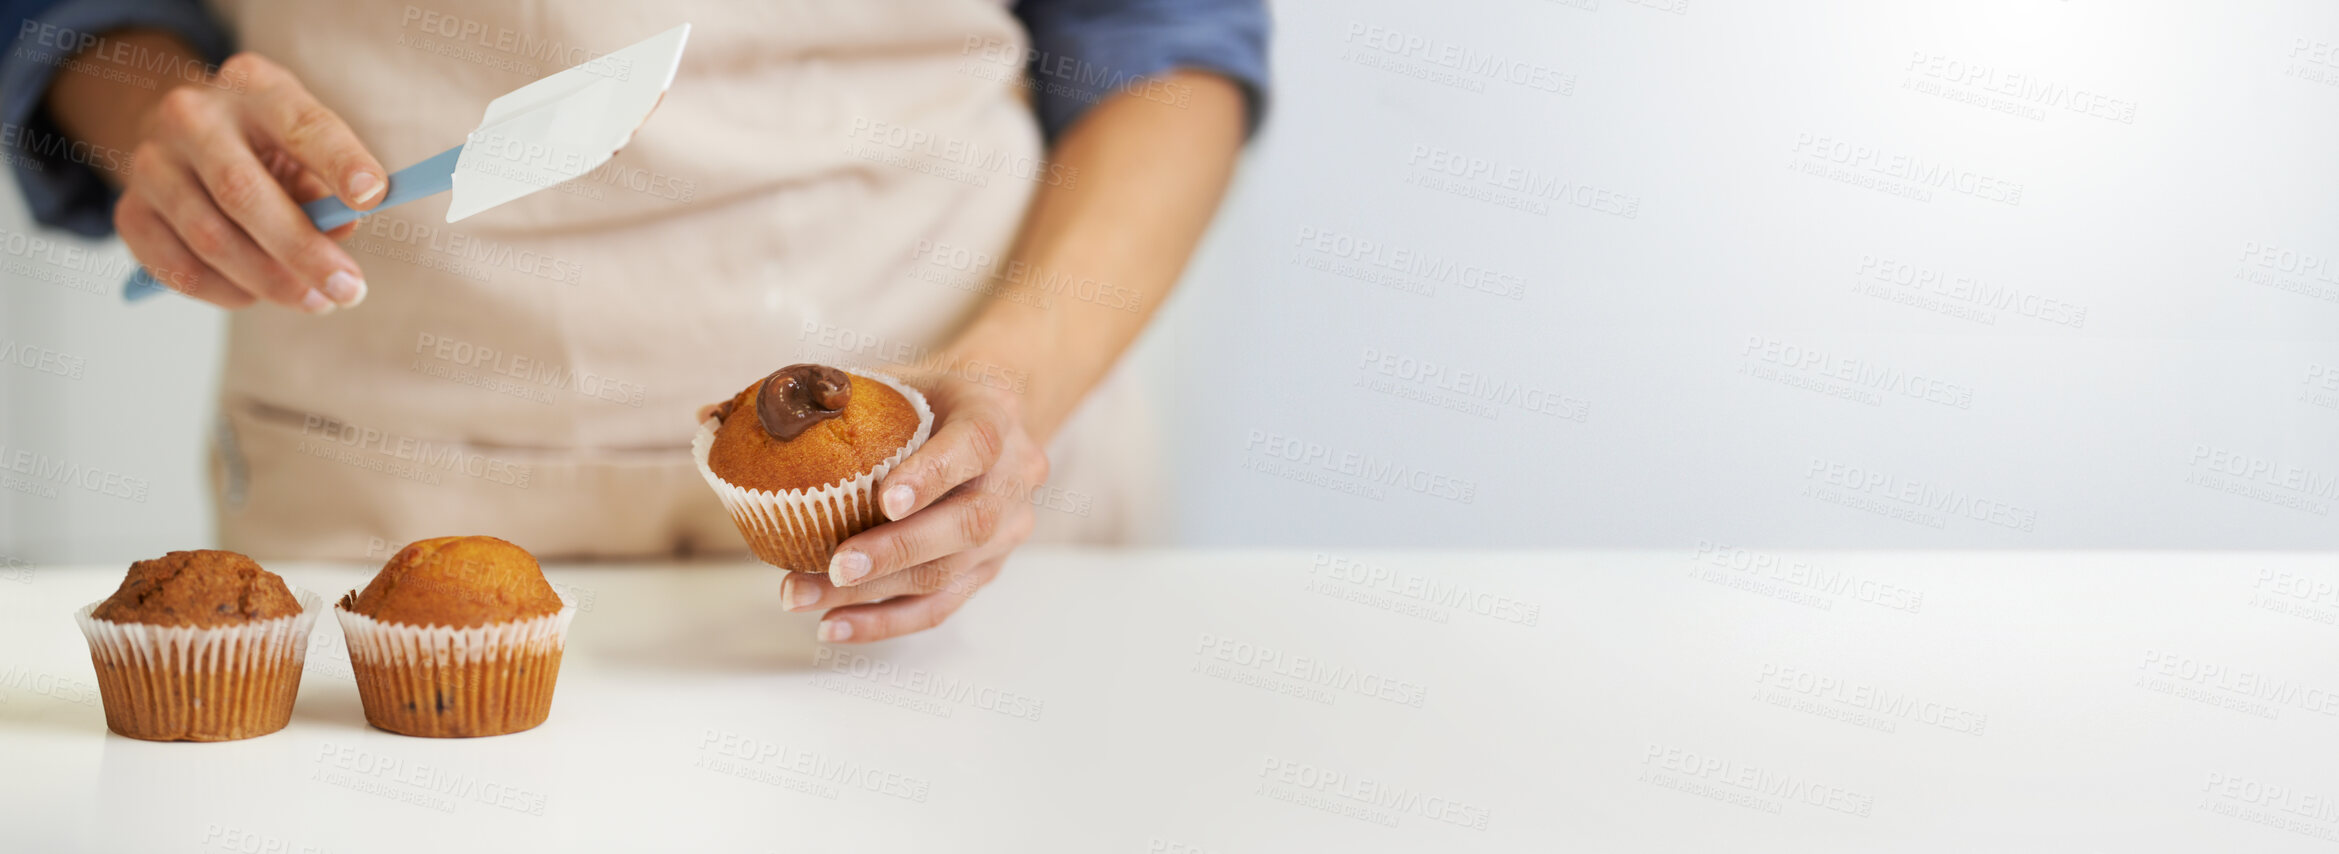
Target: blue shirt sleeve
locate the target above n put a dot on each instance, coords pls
(62, 191)
(1085, 50)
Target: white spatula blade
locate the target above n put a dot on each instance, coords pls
(563, 126)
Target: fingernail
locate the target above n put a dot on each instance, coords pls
(345, 289)
(897, 502)
(363, 187)
(316, 303)
(832, 631)
(799, 593)
(847, 567)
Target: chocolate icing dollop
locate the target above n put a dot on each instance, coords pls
(798, 396)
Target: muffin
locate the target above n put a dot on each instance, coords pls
(199, 646)
(456, 637)
(796, 457)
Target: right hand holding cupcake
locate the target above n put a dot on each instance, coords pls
(959, 504)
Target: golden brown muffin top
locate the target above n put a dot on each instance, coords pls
(460, 582)
(876, 422)
(203, 588)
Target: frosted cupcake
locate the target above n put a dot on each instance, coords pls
(456, 637)
(796, 456)
(199, 646)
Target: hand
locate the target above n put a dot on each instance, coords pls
(212, 206)
(960, 503)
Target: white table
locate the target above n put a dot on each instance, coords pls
(1222, 702)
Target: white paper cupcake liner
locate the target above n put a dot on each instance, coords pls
(799, 529)
(190, 683)
(446, 682)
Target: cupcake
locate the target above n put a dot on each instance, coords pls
(456, 637)
(796, 457)
(199, 646)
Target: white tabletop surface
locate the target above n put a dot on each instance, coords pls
(1223, 702)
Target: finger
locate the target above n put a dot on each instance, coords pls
(804, 591)
(967, 444)
(218, 242)
(168, 260)
(315, 136)
(306, 188)
(256, 198)
(293, 177)
(901, 615)
(960, 521)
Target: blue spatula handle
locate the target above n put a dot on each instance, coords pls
(427, 178)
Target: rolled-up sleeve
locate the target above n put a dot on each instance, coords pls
(1086, 50)
(61, 191)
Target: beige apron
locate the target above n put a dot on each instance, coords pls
(811, 189)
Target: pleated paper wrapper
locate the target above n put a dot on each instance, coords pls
(188, 683)
(445, 682)
(800, 528)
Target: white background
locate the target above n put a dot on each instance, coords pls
(1655, 324)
